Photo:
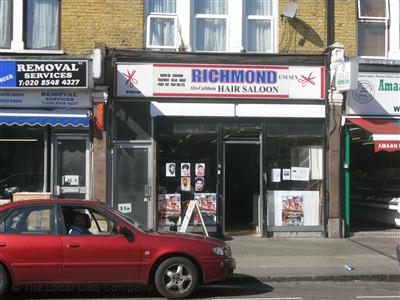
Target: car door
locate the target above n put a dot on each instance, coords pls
(98, 253)
(30, 243)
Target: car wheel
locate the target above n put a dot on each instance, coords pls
(4, 281)
(176, 278)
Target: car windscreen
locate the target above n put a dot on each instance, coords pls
(129, 220)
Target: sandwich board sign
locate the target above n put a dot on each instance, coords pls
(189, 212)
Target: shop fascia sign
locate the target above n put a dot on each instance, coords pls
(39, 74)
(219, 81)
(346, 76)
(377, 94)
(45, 98)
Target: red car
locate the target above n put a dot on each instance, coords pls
(79, 242)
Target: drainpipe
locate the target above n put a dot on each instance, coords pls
(330, 32)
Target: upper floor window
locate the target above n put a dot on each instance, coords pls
(211, 25)
(29, 24)
(5, 23)
(259, 29)
(373, 26)
(161, 24)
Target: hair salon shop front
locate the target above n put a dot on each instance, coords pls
(242, 140)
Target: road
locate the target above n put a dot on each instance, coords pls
(236, 288)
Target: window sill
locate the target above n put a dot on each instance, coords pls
(33, 51)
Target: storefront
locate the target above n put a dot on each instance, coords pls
(44, 129)
(372, 151)
(245, 141)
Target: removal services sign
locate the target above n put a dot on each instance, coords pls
(219, 81)
(43, 74)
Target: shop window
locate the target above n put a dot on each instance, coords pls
(186, 170)
(259, 26)
(131, 121)
(41, 24)
(211, 24)
(373, 26)
(21, 160)
(294, 174)
(161, 24)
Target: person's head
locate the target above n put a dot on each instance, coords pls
(200, 168)
(185, 181)
(171, 168)
(199, 184)
(185, 167)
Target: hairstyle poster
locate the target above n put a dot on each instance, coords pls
(185, 169)
(292, 210)
(200, 169)
(169, 208)
(170, 170)
(199, 184)
(185, 184)
(207, 203)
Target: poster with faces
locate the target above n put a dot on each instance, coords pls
(185, 169)
(185, 184)
(199, 184)
(170, 169)
(200, 169)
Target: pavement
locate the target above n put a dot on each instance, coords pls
(316, 259)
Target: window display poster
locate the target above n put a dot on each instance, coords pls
(199, 184)
(185, 169)
(207, 203)
(170, 170)
(169, 208)
(200, 169)
(300, 174)
(286, 174)
(297, 203)
(185, 184)
(292, 210)
(276, 175)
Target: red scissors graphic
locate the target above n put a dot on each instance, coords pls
(307, 80)
(130, 80)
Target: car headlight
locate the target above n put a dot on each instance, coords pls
(218, 250)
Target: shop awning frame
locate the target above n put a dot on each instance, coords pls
(385, 132)
(35, 117)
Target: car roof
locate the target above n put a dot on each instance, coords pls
(49, 201)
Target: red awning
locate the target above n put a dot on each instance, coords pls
(378, 126)
(381, 127)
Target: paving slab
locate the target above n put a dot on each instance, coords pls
(286, 259)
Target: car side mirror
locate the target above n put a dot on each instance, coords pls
(126, 232)
(120, 229)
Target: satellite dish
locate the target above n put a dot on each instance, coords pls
(289, 11)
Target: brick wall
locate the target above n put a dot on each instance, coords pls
(346, 25)
(117, 23)
(306, 33)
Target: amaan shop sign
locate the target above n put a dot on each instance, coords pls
(43, 74)
(219, 81)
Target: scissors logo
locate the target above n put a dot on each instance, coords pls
(305, 80)
(130, 80)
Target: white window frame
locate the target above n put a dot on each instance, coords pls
(161, 16)
(382, 20)
(211, 16)
(17, 33)
(247, 17)
(394, 32)
(152, 15)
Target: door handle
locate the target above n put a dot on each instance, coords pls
(3, 244)
(73, 246)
